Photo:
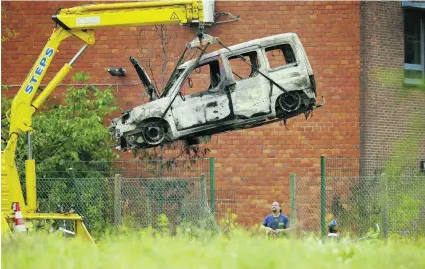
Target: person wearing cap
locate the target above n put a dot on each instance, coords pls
(276, 223)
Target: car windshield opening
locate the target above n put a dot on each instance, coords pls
(172, 81)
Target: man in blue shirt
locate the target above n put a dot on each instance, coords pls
(276, 223)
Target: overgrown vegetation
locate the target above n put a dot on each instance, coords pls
(394, 196)
(403, 184)
(242, 250)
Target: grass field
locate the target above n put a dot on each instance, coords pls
(240, 251)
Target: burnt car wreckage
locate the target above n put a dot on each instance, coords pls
(267, 95)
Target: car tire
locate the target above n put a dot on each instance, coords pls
(154, 132)
(289, 102)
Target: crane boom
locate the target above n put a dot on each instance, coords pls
(129, 14)
(81, 22)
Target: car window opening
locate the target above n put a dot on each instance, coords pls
(205, 76)
(240, 69)
(280, 55)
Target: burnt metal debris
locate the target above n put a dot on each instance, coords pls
(272, 91)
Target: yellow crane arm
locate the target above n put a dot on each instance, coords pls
(80, 21)
(130, 14)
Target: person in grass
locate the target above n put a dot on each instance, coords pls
(276, 224)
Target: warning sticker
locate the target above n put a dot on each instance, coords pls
(174, 16)
(88, 20)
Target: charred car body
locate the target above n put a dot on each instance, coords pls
(270, 92)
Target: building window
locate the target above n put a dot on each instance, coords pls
(414, 46)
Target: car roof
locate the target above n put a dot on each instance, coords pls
(265, 41)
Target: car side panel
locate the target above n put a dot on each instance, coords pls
(251, 97)
(216, 106)
(189, 112)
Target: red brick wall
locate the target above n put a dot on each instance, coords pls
(256, 162)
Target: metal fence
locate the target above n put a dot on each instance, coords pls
(360, 194)
(157, 193)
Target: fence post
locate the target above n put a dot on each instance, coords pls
(79, 207)
(149, 207)
(292, 199)
(323, 195)
(117, 199)
(212, 187)
(384, 182)
(203, 192)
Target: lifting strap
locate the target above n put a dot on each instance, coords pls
(256, 69)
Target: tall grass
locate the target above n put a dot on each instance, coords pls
(239, 250)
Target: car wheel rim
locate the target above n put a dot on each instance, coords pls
(154, 133)
(290, 102)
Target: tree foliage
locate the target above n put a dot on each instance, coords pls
(70, 134)
(69, 130)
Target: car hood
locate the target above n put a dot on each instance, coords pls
(153, 109)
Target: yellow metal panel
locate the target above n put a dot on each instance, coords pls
(5, 188)
(52, 216)
(52, 85)
(30, 184)
(81, 231)
(11, 176)
(5, 228)
(130, 5)
(134, 17)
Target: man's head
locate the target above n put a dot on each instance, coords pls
(275, 207)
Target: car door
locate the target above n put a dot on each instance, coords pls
(207, 102)
(216, 102)
(251, 93)
(285, 67)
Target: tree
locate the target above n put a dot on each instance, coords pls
(70, 130)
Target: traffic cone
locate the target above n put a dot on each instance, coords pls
(19, 220)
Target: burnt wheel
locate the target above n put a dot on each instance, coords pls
(154, 133)
(289, 102)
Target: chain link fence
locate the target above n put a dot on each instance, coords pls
(160, 194)
(166, 195)
(362, 195)
(306, 204)
(389, 192)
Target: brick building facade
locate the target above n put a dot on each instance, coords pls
(344, 41)
(392, 66)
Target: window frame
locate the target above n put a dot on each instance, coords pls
(416, 67)
(254, 73)
(283, 66)
(203, 62)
